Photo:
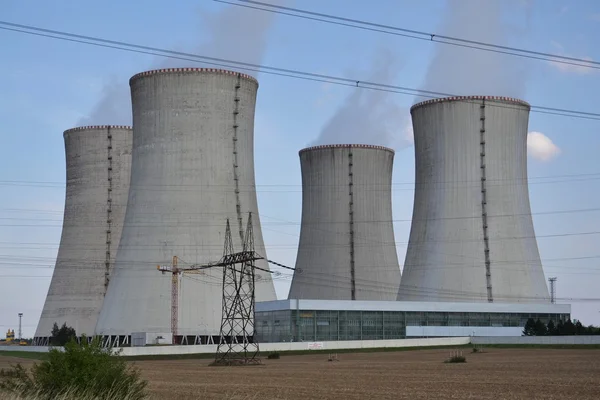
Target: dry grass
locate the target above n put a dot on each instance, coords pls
(498, 374)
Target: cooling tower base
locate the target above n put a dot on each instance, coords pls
(183, 340)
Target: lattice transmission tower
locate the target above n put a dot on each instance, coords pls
(237, 344)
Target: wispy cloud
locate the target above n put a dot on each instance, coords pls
(574, 67)
(540, 147)
(326, 95)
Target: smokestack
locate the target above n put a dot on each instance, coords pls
(347, 249)
(98, 162)
(472, 235)
(192, 168)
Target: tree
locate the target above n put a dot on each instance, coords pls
(551, 328)
(61, 336)
(579, 328)
(560, 328)
(529, 329)
(569, 328)
(540, 328)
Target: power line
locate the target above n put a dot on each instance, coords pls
(37, 245)
(162, 222)
(414, 34)
(286, 72)
(583, 177)
(331, 281)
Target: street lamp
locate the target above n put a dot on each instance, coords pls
(20, 333)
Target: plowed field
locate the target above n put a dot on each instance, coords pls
(421, 374)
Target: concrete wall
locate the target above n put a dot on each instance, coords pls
(351, 344)
(549, 340)
(298, 346)
(25, 349)
(472, 199)
(192, 168)
(346, 224)
(291, 346)
(98, 162)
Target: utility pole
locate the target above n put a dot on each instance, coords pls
(552, 289)
(20, 332)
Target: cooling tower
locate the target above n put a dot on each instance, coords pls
(472, 236)
(347, 249)
(192, 168)
(98, 162)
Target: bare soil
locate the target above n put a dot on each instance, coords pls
(422, 374)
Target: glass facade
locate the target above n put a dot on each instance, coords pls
(313, 325)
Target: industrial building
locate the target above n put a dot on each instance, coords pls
(347, 249)
(192, 169)
(472, 237)
(332, 320)
(98, 162)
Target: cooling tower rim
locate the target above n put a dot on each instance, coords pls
(466, 98)
(98, 127)
(346, 146)
(190, 70)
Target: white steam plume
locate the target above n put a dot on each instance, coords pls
(234, 33)
(369, 116)
(114, 107)
(464, 71)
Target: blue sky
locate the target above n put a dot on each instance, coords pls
(47, 86)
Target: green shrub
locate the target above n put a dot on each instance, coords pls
(83, 370)
(273, 356)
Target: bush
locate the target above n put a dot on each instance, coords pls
(83, 370)
(456, 359)
(273, 356)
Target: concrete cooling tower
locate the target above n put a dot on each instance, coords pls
(347, 249)
(98, 162)
(472, 236)
(192, 168)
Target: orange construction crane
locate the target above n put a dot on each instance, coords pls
(175, 271)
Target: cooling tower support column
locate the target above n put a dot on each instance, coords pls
(236, 111)
(486, 238)
(472, 236)
(347, 249)
(109, 188)
(351, 222)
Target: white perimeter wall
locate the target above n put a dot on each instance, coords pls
(287, 346)
(350, 344)
(558, 340)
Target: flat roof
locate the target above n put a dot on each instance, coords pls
(413, 306)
